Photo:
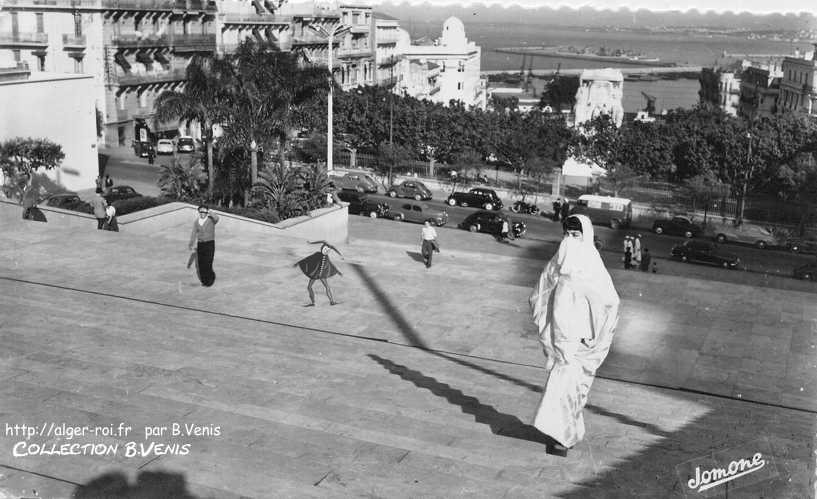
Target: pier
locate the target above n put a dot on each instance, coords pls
(624, 71)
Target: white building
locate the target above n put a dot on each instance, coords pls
(600, 92)
(449, 68)
(797, 92)
(57, 107)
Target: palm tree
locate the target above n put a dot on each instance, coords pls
(268, 91)
(204, 100)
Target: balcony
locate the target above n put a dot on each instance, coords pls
(193, 43)
(23, 40)
(433, 90)
(354, 53)
(132, 40)
(311, 40)
(41, 5)
(129, 80)
(18, 72)
(160, 5)
(257, 20)
(122, 115)
(73, 42)
(359, 29)
(181, 43)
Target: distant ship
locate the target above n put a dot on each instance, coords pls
(555, 52)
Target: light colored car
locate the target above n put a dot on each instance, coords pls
(745, 233)
(165, 146)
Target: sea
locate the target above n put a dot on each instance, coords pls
(689, 48)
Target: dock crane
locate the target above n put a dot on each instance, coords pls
(650, 102)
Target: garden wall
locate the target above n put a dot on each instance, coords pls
(328, 224)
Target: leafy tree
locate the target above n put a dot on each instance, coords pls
(21, 157)
(560, 92)
(204, 100)
(705, 189)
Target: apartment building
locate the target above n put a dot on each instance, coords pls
(449, 69)
(133, 49)
(759, 89)
(797, 84)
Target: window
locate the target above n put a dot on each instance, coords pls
(143, 99)
(121, 101)
(459, 86)
(77, 24)
(40, 23)
(78, 66)
(16, 54)
(41, 62)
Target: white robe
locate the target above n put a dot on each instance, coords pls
(576, 308)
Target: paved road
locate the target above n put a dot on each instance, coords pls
(766, 262)
(772, 267)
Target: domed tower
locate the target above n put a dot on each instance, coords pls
(453, 35)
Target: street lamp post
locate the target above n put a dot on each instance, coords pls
(330, 34)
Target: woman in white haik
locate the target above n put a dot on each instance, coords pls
(576, 308)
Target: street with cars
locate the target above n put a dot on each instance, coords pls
(792, 259)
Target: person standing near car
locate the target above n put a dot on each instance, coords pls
(428, 243)
(108, 184)
(576, 308)
(565, 209)
(99, 204)
(557, 209)
(204, 237)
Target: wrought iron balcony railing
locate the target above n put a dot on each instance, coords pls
(132, 79)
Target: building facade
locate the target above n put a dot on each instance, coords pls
(797, 92)
(449, 69)
(600, 92)
(68, 101)
(133, 49)
(759, 90)
(729, 92)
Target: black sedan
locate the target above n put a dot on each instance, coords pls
(807, 272)
(491, 223)
(798, 245)
(410, 189)
(361, 204)
(677, 226)
(120, 192)
(63, 200)
(704, 252)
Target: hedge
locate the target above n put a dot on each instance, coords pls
(125, 206)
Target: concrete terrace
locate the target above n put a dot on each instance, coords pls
(419, 384)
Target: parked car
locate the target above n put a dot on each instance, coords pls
(677, 226)
(119, 192)
(185, 144)
(354, 181)
(491, 223)
(143, 149)
(63, 199)
(807, 272)
(745, 233)
(704, 252)
(410, 189)
(412, 211)
(604, 210)
(478, 197)
(165, 146)
(361, 204)
(800, 245)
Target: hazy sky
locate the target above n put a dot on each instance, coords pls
(755, 6)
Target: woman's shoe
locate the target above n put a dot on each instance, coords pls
(557, 450)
